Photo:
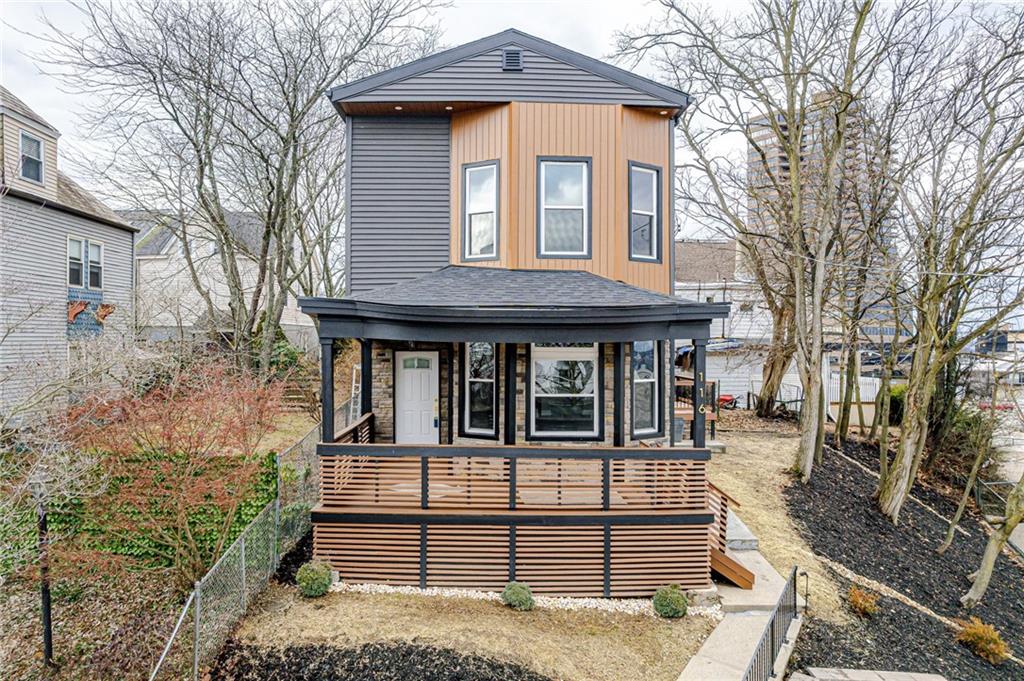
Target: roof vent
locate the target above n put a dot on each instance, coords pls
(512, 59)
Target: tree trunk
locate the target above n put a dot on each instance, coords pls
(780, 355)
(996, 541)
(894, 489)
(979, 460)
(845, 408)
(810, 421)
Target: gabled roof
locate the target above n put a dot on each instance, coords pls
(656, 93)
(155, 229)
(9, 104)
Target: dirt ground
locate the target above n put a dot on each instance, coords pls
(582, 644)
(754, 470)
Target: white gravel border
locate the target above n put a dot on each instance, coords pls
(631, 606)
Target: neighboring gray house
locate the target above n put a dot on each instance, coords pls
(66, 273)
(169, 304)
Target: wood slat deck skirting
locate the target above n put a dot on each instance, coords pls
(577, 521)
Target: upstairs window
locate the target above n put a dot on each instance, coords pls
(643, 212)
(31, 158)
(75, 267)
(95, 265)
(565, 391)
(646, 413)
(480, 396)
(480, 216)
(564, 208)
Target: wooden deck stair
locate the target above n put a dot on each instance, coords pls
(729, 568)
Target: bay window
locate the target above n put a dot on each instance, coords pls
(565, 391)
(563, 207)
(480, 211)
(646, 411)
(480, 390)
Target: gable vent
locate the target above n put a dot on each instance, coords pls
(512, 59)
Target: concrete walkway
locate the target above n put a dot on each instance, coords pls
(728, 650)
(819, 674)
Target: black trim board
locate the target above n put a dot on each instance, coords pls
(670, 96)
(504, 451)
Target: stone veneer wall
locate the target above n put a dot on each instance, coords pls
(384, 381)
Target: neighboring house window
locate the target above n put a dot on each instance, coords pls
(645, 388)
(95, 265)
(643, 212)
(480, 218)
(565, 390)
(75, 267)
(564, 208)
(480, 390)
(31, 158)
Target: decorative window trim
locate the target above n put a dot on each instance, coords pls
(41, 159)
(657, 216)
(659, 395)
(547, 436)
(466, 168)
(82, 260)
(464, 429)
(587, 207)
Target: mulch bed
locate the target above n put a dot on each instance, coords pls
(371, 662)
(290, 563)
(836, 515)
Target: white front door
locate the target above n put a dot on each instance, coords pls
(417, 412)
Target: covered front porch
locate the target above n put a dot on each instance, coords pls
(517, 425)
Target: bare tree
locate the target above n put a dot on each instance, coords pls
(215, 109)
(785, 79)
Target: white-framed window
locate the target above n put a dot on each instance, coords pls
(95, 264)
(643, 213)
(564, 208)
(480, 397)
(645, 387)
(76, 267)
(480, 211)
(564, 390)
(31, 158)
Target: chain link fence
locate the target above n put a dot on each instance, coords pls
(220, 598)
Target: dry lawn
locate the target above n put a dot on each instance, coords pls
(754, 470)
(290, 427)
(588, 645)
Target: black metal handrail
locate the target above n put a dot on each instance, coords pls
(762, 664)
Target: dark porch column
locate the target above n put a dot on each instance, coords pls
(670, 383)
(699, 376)
(511, 351)
(327, 390)
(618, 393)
(366, 378)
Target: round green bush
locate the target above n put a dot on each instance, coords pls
(517, 596)
(670, 601)
(313, 579)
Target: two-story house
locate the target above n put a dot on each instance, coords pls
(65, 266)
(510, 274)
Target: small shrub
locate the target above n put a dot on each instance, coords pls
(517, 596)
(897, 395)
(670, 601)
(984, 640)
(864, 603)
(313, 579)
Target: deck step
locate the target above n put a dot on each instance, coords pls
(730, 569)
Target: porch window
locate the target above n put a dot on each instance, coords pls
(645, 388)
(31, 158)
(643, 212)
(480, 395)
(564, 208)
(480, 211)
(75, 267)
(565, 390)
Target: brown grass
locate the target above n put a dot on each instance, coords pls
(584, 644)
(864, 603)
(984, 640)
(289, 428)
(754, 470)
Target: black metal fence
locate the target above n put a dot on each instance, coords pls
(762, 664)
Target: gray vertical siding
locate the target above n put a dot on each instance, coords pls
(399, 199)
(33, 277)
(480, 78)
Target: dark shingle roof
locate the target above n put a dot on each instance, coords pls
(155, 231)
(493, 287)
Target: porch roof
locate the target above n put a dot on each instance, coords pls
(459, 303)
